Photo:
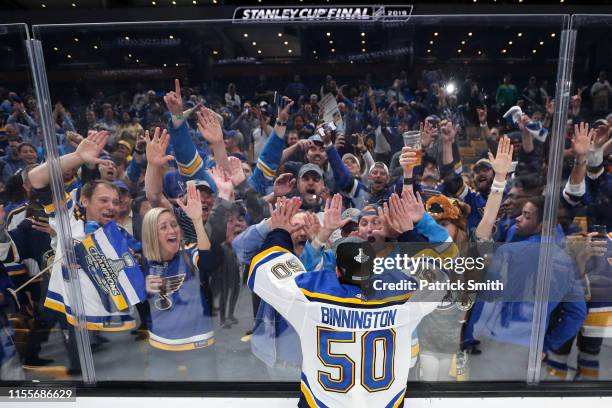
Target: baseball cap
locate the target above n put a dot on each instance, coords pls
(514, 136)
(121, 185)
(370, 209)
(203, 184)
(600, 122)
(308, 168)
(125, 143)
(316, 138)
(109, 158)
(483, 163)
(352, 214)
(380, 165)
(229, 134)
(350, 156)
(173, 185)
(355, 258)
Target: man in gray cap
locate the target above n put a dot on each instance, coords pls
(311, 186)
(316, 153)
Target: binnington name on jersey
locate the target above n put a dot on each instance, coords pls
(358, 319)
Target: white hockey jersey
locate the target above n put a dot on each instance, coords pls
(100, 311)
(356, 352)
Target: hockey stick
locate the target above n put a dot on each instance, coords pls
(13, 292)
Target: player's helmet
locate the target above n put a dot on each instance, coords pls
(355, 259)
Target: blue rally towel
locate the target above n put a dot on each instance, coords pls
(105, 257)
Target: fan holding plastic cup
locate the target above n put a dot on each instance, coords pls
(412, 140)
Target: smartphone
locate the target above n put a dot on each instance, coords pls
(331, 126)
(279, 101)
(37, 213)
(602, 233)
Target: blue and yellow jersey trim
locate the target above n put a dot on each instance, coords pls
(268, 172)
(260, 259)
(50, 208)
(308, 400)
(356, 302)
(92, 322)
(182, 347)
(14, 269)
(14, 212)
(307, 396)
(324, 287)
(191, 168)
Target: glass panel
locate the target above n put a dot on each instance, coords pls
(376, 82)
(36, 342)
(585, 213)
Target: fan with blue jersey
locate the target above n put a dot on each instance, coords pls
(106, 258)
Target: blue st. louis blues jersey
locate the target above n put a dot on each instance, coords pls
(356, 349)
(180, 314)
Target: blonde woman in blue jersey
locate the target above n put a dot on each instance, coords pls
(177, 282)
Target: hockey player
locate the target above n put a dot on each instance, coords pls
(353, 338)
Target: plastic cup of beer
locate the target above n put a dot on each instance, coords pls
(412, 139)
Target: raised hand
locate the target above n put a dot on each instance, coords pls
(332, 214)
(503, 159)
(283, 114)
(90, 148)
(427, 131)
(284, 212)
(601, 136)
(311, 225)
(416, 209)
(73, 138)
(582, 139)
(397, 215)
(174, 100)
(209, 126)
(304, 144)
(283, 184)
(575, 101)
(236, 172)
(156, 148)
(408, 159)
(522, 124)
(448, 132)
(223, 182)
(193, 208)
